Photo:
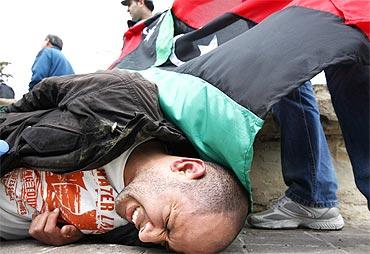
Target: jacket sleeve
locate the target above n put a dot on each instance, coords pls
(40, 68)
(46, 95)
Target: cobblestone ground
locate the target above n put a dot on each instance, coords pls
(352, 239)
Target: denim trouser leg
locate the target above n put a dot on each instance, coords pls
(350, 93)
(307, 166)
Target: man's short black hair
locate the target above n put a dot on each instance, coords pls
(148, 3)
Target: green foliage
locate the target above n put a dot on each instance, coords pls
(4, 76)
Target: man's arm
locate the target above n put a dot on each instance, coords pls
(40, 68)
(58, 91)
(46, 95)
(52, 92)
(45, 229)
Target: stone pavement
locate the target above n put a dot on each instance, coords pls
(352, 239)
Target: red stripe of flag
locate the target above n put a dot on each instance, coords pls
(258, 10)
(197, 13)
(353, 12)
(132, 39)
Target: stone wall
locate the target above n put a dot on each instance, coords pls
(266, 174)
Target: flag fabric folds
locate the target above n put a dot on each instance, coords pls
(221, 65)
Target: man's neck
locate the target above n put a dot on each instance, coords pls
(144, 157)
(146, 14)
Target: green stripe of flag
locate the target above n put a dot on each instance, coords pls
(164, 39)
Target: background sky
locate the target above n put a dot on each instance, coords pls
(91, 31)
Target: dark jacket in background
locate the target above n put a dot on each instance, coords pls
(6, 91)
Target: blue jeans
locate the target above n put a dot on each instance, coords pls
(307, 166)
(349, 89)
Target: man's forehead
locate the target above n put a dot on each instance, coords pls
(131, 1)
(193, 232)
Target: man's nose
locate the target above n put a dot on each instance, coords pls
(150, 233)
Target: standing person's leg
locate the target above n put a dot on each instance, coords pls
(307, 168)
(306, 161)
(350, 93)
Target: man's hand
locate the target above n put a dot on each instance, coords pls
(44, 228)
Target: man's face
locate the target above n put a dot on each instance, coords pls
(135, 8)
(164, 215)
(46, 43)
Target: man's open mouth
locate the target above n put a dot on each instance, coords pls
(138, 217)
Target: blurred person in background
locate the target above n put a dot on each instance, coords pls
(50, 61)
(139, 10)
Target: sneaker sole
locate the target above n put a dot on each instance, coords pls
(336, 223)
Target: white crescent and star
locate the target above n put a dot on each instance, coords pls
(204, 49)
(148, 32)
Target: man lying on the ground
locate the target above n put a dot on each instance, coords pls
(218, 99)
(168, 198)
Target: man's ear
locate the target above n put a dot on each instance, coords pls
(193, 168)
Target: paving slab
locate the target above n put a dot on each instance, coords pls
(352, 239)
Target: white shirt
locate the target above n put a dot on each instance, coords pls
(86, 198)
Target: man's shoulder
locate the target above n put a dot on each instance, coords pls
(51, 51)
(46, 52)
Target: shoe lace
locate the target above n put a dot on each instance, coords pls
(277, 203)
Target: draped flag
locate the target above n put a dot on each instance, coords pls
(150, 43)
(220, 65)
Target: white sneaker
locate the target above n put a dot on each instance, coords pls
(286, 213)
